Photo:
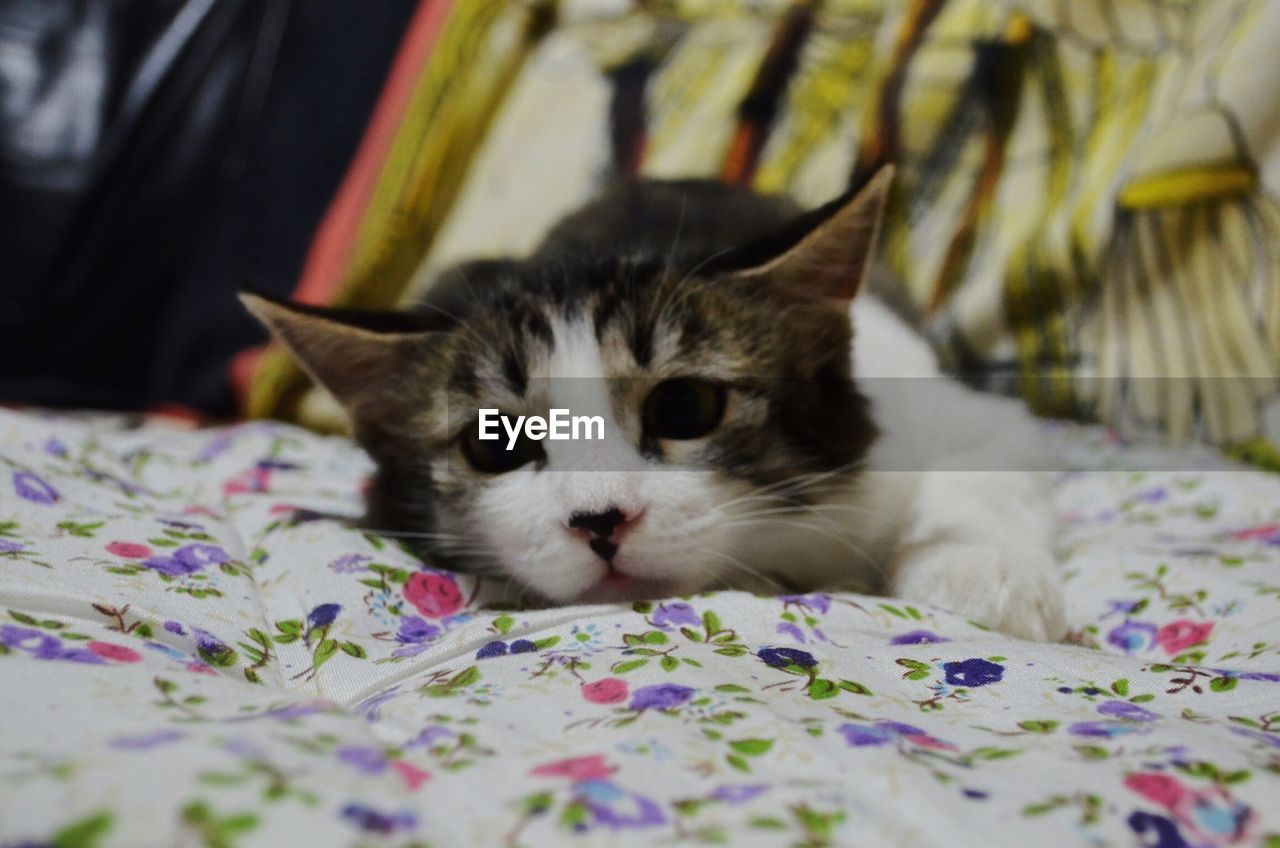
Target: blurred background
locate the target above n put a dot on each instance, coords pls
(1085, 212)
(155, 155)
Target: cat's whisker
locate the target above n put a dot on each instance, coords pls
(734, 562)
(675, 242)
(833, 535)
(664, 298)
(807, 509)
(413, 534)
(799, 482)
(471, 332)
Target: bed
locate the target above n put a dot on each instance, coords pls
(198, 647)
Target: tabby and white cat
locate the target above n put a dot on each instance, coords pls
(711, 329)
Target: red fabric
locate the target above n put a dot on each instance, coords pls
(336, 236)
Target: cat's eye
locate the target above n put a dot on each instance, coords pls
(684, 408)
(491, 456)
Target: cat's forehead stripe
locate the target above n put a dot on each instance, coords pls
(513, 370)
(575, 350)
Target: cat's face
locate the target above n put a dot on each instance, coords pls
(725, 401)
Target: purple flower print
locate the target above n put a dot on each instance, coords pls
(885, 732)
(147, 741)
(197, 556)
(290, 712)
(1270, 738)
(1154, 496)
(168, 566)
(786, 657)
(349, 564)
(615, 809)
(1133, 637)
(7, 547)
(861, 736)
(740, 794)
(39, 645)
(675, 614)
(1121, 607)
(179, 524)
(55, 447)
(1156, 831)
(900, 728)
(414, 630)
(786, 628)
(820, 603)
(322, 616)
(973, 673)
(175, 627)
(661, 696)
(917, 637)
(1106, 729)
(491, 650)
(372, 821)
(42, 646)
(212, 649)
(363, 759)
(1126, 710)
(217, 446)
(370, 708)
(430, 735)
(1269, 677)
(498, 649)
(30, 487)
(206, 641)
(187, 559)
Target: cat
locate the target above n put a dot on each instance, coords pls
(759, 432)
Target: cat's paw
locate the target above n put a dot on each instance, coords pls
(1015, 590)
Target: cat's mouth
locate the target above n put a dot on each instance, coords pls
(617, 585)
(614, 577)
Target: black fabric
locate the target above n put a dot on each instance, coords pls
(156, 156)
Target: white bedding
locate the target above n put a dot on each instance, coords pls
(192, 653)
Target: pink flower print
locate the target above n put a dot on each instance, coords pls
(115, 653)
(1267, 533)
(201, 668)
(435, 595)
(577, 769)
(610, 690)
(1176, 636)
(129, 550)
(929, 742)
(412, 776)
(256, 479)
(1209, 815)
(1160, 789)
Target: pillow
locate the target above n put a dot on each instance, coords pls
(1084, 212)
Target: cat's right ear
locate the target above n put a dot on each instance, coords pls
(355, 355)
(831, 257)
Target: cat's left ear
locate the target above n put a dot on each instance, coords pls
(356, 355)
(832, 259)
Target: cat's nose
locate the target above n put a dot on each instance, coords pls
(599, 524)
(603, 531)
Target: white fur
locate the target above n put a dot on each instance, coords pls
(958, 480)
(525, 513)
(950, 511)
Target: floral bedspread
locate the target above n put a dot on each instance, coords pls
(195, 649)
